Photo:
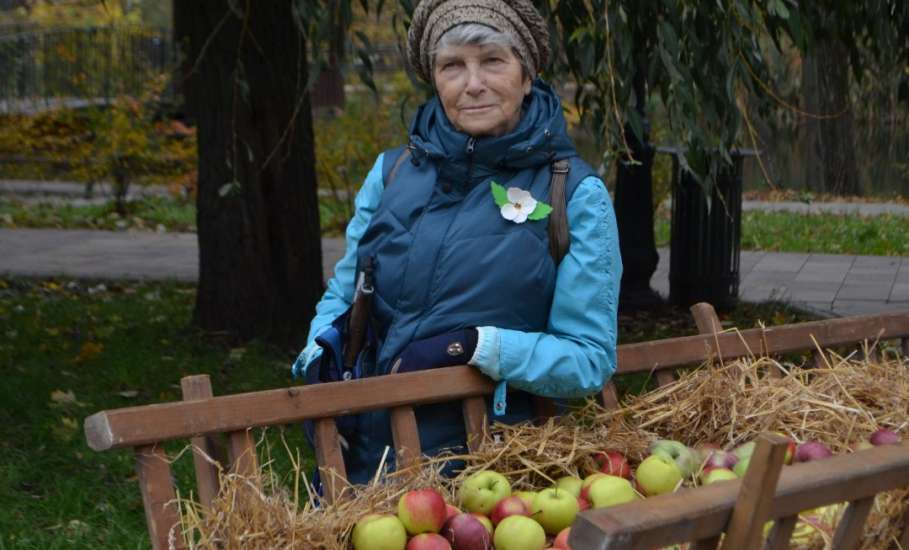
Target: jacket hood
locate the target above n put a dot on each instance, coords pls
(539, 139)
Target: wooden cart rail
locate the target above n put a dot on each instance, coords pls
(145, 427)
(704, 513)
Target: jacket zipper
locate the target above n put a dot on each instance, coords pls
(471, 146)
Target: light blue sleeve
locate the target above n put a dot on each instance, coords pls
(577, 353)
(340, 289)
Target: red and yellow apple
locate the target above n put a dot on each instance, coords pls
(508, 506)
(428, 541)
(422, 511)
(379, 532)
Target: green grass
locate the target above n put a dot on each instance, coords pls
(147, 213)
(884, 235)
(70, 349)
(67, 352)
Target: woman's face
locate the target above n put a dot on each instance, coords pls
(481, 88)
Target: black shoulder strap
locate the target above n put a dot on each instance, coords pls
(405, 154)
(559, 239)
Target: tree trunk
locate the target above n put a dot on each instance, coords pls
(828, 143)
(260, 253)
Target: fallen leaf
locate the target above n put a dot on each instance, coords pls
(129, 394)
(63, 397)
(89, 351)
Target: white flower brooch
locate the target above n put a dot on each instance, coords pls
(518, 205)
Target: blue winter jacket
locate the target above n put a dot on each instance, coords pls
(445, 259)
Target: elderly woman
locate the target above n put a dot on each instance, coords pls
(464, 231)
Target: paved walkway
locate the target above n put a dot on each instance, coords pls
(826, 284)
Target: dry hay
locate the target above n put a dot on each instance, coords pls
(839, 403)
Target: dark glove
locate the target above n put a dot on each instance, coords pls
(445, 350)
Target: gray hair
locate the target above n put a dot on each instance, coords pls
(476, 34)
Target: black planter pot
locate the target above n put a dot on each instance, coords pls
(706, 237)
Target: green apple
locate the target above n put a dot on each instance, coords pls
(482, 490)
(745, 450)
(554, 509)
(571, 484)
(519, 533)
(379, 532)
(611, 490)
(588, 481)
(658, 474)
(718, 474)
(685, 459)
(527, 497)
(742, 466)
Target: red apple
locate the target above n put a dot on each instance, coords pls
(508, 506)
(467, 532)
(719, 458)
(583, 504)
(451, 511)
(884, 437)
(428, 541)
(422, 511)
(812, 450)
(487, 523)
(561, 540)
(614, 463)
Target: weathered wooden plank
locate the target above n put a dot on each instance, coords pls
(162, 422)
(665, 377)
(610, 396)
(849, 532)
(406, 436)
(243, 457)
(904, 346)
(781, 533)
(704, 512)
(329, 458)
(705, 318)
(158, 496)
(752, 507)
(706, 544)
(675, 352)
(474, 409)
(204, 447)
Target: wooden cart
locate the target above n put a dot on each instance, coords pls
(645, 525)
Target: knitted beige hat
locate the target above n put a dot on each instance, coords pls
(517, 18)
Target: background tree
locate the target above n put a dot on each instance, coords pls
(245, 84)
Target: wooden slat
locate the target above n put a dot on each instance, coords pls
(781, 533)
(329, 458)
(849, 531)
(474, 409)
(704, 512)
(705, 318)
(664, 377)
(157, 487)
(204, 447)
(687, 350)
(904, 346)
(166, 421)
(243, 457)
(406, 436)
(162, 422)
(752, 507)
(610, 396)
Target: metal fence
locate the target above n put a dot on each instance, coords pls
(86, 62)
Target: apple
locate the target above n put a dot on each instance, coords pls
(583, 504)
(741, 467)
(720, 459)
(487, 523)
(571, 484)
(480, 492)
(683, 457)
(508, 506)
(718, 474)
(745, 450)
(379, 532)
(588, 481)
(658, 474)
(422, 511)
(561, 540)
(428, 541)
(884, 437)
(554, 509)
(467, 532)
(527, 497)
(790, 449)
(862, 445)
(611, 490)
(451, 511)
(812, 450)
(614, 463)
(520, 533)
